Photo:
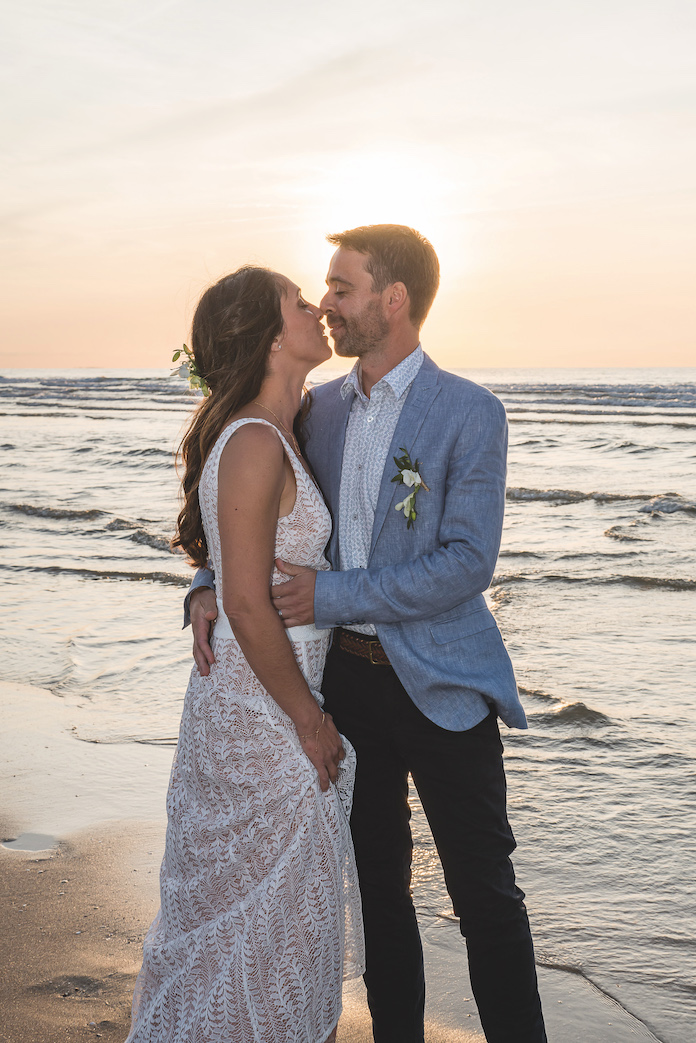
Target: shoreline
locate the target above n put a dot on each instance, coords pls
(76, 911)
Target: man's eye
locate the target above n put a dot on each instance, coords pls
(339, 293)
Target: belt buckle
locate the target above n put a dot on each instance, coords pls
(373, 642)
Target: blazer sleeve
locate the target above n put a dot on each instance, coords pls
(203, 578)
(469, 539)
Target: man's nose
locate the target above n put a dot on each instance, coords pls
(325, 303)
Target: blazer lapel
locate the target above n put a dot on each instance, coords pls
(424, 391)
(336, 436)
(326, 459)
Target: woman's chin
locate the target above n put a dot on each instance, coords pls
(326, 354)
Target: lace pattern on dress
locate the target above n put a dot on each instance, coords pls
(260, 916)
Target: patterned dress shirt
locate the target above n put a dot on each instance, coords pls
(371, 425)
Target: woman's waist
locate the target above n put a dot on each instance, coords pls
(222, 630)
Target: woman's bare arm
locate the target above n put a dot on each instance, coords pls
(251, 482)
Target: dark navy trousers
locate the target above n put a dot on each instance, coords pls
(461, 783)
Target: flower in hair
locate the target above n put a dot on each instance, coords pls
(189, 369)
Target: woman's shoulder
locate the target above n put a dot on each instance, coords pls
(245, 441)
(251, 435)
(252, 461)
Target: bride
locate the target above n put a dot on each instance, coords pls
(260, 913)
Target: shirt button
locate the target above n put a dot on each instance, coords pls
(370, 419)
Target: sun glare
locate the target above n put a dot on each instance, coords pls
(371, 188)
(394, 186)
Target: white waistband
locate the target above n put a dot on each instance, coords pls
(301, 635)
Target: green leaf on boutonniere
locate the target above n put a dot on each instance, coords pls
(410, 476)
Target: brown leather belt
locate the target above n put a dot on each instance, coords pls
(363, 645)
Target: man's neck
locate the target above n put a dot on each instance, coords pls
(375, 365)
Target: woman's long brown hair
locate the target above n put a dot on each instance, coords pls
(234, 325)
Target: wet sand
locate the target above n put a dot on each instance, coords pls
(85, 827)
(74, 921)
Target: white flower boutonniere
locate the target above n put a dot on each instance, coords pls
(408, 475)
(189, 369)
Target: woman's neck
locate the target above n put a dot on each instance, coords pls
(282, 396)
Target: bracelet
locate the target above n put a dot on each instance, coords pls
(315, 734)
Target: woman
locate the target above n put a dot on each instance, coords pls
(260, 914)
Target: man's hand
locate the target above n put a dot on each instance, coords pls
(203, 607)
(294, 600)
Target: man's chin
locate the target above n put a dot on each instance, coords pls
(346, 351)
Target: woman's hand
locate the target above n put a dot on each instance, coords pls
(324, 748)
(203, 609)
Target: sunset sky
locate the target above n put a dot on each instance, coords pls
(547, 149)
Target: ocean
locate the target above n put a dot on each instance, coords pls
(595, 593)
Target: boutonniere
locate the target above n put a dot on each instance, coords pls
(189, 369)
(409, 476)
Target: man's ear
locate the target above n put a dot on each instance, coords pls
(396, 297)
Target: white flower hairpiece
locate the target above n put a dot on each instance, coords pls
(189, 369)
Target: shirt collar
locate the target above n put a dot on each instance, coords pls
(398, 379)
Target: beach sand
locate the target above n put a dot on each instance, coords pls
(83, 826)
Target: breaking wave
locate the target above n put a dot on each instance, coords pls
(575, 496)
(149, 539)
(620, 532)
(561, 712)
(55, 512)
(168, 578)
(643, 582)
(668, 503)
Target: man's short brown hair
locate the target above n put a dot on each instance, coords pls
(397, 253)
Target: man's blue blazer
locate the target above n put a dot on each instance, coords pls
(423, 586)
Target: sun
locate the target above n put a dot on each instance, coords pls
(381, 186)
(375, 187)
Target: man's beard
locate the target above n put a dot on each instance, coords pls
(361, 333)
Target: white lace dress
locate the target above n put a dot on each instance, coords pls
(260, 911)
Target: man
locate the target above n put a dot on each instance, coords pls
(417, 674)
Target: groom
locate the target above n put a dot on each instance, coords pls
(417, 674)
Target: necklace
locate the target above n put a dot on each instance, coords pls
(288, 433)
